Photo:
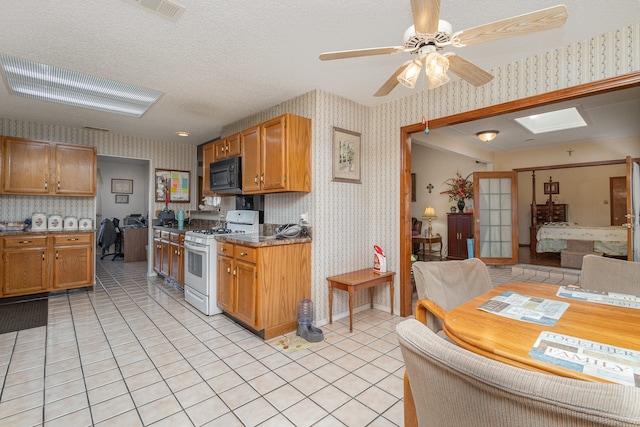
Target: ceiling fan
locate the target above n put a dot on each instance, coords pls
(429, 34)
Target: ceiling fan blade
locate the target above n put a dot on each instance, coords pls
(342, 54)
(540, 20)
(426, 15)
(467, 71)
(392, 82)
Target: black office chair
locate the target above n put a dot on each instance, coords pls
(110, 235)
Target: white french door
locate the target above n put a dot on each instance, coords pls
(495, 217)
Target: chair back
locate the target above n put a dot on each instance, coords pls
(455, 387)
(610, 274)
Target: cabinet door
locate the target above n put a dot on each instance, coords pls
(157, 255)
(208, 156)
(72, 267)
(273, 160)
(220, 149)
(234, 147)
(164, 261)
(246, 288)
(225, 283)
(26, 167)
(176, 263)
(251, 174)
(75, 170)
(24, 265)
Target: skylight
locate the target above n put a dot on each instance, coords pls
(568, 118)
(48, 83)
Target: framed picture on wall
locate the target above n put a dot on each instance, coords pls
(172, 185)
(551, 188)
(122, 198)
(122, 186)
(346, 158)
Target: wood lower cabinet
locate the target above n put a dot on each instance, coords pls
(33, 263)
(24, 265)
(261, 286)
(459, 229)
(47, 168)
(168, 255)
(71, 259)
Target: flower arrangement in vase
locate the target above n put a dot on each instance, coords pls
(459, 188)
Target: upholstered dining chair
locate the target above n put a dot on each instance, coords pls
(444, 285)
(451, 386)
(610, 274)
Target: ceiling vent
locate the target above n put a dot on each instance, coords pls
(165, 8)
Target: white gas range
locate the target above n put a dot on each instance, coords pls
(200, 263)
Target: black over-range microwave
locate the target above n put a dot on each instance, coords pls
(226, 176)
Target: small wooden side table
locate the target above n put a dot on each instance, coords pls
(354, 281)
(422, 240)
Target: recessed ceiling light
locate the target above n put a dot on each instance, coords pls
(568, 118)
(182, 133)
(44, 82)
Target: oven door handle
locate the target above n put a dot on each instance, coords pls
(197, 247)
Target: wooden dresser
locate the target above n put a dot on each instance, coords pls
(557, 213)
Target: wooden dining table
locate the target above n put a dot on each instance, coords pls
(511, 340)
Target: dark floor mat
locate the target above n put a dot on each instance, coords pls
(17, 316)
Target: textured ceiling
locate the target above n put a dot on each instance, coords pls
(224, 60)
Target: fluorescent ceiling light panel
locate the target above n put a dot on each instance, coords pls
(568, 118)
(48, 83)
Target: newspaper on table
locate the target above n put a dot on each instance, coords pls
(600, 297)
(616, 364)
(522, 307)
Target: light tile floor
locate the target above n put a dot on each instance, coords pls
(131, 352)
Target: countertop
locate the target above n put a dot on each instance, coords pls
(260, 241)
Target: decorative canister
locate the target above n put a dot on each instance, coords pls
(85, 224)
(38, 221)
(55, 222)
(70, 223)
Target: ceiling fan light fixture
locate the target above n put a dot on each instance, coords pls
(436, 67)
(487, 135)
(410, 75)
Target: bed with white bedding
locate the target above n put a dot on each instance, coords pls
(552, 237)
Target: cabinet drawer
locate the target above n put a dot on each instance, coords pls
(25, 241)
(74, 239)
(165, 235)
(225, 249)
(245, 253)
(174, 237)
(157, 234)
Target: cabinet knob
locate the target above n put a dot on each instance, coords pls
(243, 254)
(23, 242)
(256, 180)
(71, 239)
(46, 184)
(58, 185)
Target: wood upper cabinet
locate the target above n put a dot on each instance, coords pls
(208, 154)
(277, 156)
(228, 147)
(43, 168)
(75, 170)
(26, 166)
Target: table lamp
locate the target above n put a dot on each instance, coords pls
(429, 213)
